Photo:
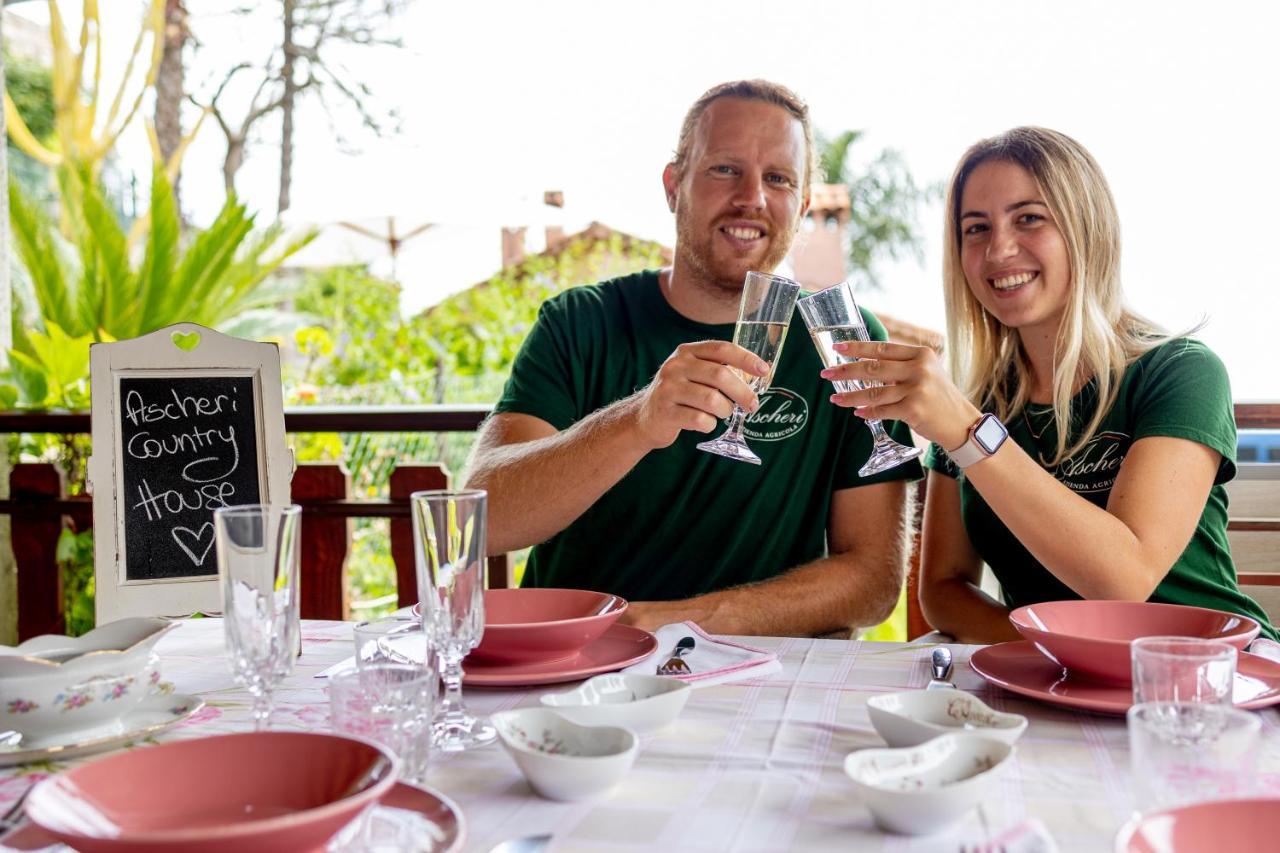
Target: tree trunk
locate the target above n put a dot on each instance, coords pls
(286, 108)
(232, 162)
(170, 87)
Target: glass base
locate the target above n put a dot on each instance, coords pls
(730, 449)
(888, 454)
(456, 735)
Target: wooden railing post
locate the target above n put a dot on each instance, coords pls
(325, 541)
(35, 550)
(405, 480)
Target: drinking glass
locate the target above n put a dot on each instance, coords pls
(392, 641)
(449, 546)
(763, 317)
(1182, 669)
(832, 317)
(257, 547)
(1182, 753)
(390, 703)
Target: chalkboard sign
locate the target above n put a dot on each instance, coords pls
(185, 420)
(190, 446)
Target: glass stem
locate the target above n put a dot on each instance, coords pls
(261, 710)
(736, 421)
(877, 432)
(451, 710)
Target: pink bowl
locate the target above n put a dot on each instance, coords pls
(1091, 638)
(1222, 825)
(543, 625)
(263, 791)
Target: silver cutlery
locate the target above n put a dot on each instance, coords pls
(14, 816)
(941, 669)
(527, 844)
(675, 664)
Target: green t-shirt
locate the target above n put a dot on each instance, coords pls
(1178, 389)
(683, 521)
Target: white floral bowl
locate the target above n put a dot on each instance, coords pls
(924, 788)
(561, 759)
(915, 716)
(53, 686)
(639, 702)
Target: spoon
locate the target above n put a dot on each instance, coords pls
(527, 844)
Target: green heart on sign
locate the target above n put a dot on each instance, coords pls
(186, 341)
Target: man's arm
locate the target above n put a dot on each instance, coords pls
(539, 479)
(857, 585)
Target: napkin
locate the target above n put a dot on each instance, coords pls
(1263, 647)
(711, 661)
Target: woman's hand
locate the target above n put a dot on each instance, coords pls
(915, 389)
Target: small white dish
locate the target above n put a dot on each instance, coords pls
(53, 687)
(154, 714)
(915, 716)
(921, 789)
(561, 759)
(643, 703)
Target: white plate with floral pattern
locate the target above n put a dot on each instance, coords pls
(155, 713)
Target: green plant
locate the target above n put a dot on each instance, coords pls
(75, 562)
(92, 290)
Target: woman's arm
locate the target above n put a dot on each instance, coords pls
(1121, 552)
(950, 571)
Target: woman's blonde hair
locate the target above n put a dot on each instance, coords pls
(1099, 336)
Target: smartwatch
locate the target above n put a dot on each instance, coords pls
(985, 437)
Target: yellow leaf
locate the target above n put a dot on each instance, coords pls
(23, 138)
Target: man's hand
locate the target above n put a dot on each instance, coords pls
(696, 387)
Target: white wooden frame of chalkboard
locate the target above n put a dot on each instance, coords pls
(157, 355)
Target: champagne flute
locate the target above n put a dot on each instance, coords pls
(763, 317)
(832, 317)
(449, 546)
(258, 557)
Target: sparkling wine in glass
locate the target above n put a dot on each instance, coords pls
(258, 558)
(449, 546)
(763, 317)
(832, 317)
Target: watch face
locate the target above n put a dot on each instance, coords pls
(990, 434)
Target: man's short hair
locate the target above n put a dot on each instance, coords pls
(748, 90)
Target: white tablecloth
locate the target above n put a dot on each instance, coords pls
(750, 766)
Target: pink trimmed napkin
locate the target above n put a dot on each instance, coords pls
(712, 660)
(1263, 647)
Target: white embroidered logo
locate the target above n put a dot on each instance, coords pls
(782, 414)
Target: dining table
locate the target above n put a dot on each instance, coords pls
(751, 765)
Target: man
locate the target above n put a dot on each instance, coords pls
(591, 454)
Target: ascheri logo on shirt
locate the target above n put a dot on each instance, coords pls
(1094, 468)
(782, 414)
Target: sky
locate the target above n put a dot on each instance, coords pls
(502, 100)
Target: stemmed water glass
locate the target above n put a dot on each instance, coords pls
(763, 317)
(832, 317)
(258, 559)
(449, 546)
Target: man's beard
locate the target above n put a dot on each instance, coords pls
(696, 251)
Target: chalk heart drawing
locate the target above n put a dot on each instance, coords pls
(196, 538)
(186, 341)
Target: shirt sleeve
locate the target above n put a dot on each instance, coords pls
(1185, 393)
(858, 447)
(936, 459)
(541, 379)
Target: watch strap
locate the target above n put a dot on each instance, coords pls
(972, 451)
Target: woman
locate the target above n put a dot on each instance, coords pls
(1119, 436)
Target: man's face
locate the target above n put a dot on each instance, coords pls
(741, 195)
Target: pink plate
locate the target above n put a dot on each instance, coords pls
(1019, 668)
(1221, 825)
(402, 808)
(542, 625)
(260, 791)
(620, 646)
(1091, 638)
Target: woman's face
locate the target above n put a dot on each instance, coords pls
(1013, 255)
